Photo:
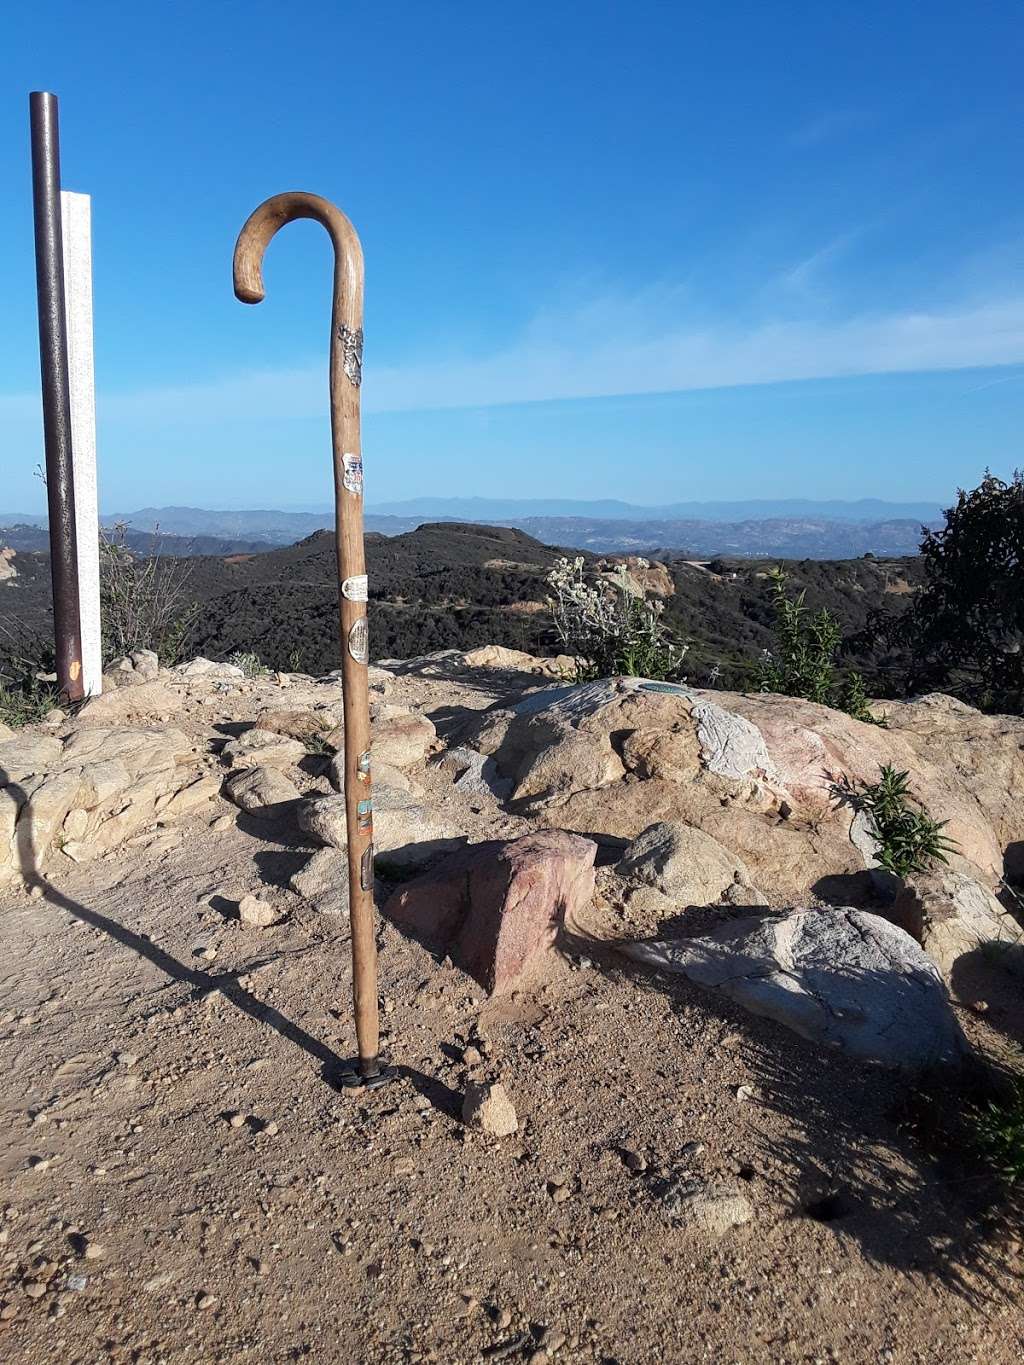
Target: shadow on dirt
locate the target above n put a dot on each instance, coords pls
(203, 983)
(889, 1162)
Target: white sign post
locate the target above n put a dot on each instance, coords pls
(77, 251)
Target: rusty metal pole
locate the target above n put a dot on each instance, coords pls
(53, 362)
(345, 378)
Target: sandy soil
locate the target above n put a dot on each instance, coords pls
(182, 1182)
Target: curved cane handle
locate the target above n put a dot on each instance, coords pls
(269, 218)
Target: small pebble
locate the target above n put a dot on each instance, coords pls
(204, 1302)
(35, 1289)
(236, 1120)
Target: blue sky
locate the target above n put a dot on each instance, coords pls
(654, 251)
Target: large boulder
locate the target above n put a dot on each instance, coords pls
(840, 977)
(405, 833)
(475, 774)
(298, 722)
(145, 701)
(89, 793)
(256, 748)
(762, 774)
(209, 668)
(580, 760)
(264, 793)
(323, 881)
(497, 907)
(683, 863)
(401, 738)
(517, 661)
(952, 915)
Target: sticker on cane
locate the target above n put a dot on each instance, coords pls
(366, 868)
(364, 815)
(363, 767)
(356, 588)
(359, 641)
(352, 473)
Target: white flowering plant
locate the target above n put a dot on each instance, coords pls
(610, 629)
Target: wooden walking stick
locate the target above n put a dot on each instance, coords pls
(346, 375)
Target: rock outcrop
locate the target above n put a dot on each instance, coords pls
(953, 916)
(497, 907)
(684, 864)
(841, 977)
(85, 794)
(761, 774)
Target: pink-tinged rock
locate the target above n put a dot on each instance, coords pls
(497, 907)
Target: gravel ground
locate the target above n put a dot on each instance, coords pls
(182, 1181)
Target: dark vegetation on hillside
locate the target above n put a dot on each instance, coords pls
(454, 586)
(29, 536)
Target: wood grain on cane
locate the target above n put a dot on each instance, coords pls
(345, 377)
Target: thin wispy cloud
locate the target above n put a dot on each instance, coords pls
(805, 277)
(831, 124)
(612, 346)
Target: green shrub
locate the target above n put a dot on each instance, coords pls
(27, 702)
(804, 661)
(965, 627)
(999, 1128)
(251, 664)
(907, 838)
(144, 600)
(611, 629)
(24, 696)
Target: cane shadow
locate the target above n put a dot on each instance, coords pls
(886, 1161)
(202, 983)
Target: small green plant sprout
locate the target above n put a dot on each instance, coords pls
(854, 701)
(611, 628)
(25, 701)
(999, 1129)
(907, 838)
(251, 664)
(803, 663)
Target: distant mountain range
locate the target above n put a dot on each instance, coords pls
(512, 511)
(788, 528)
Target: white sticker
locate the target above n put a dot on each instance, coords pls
(359, 641)
(352, 473)
(355, 589)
